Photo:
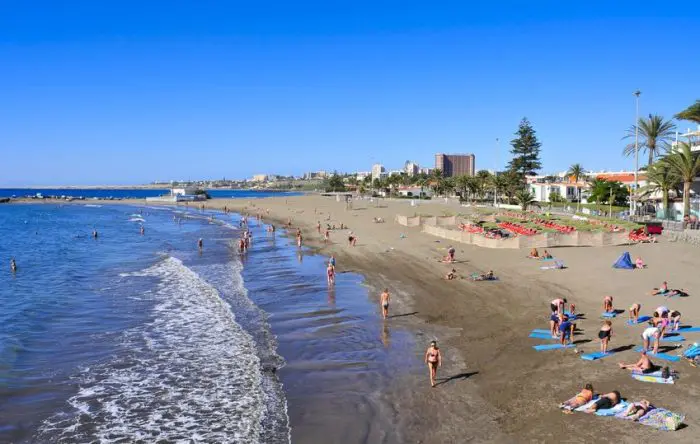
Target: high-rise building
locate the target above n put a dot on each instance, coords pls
(378, 171)
(411, 168)
(455, 164)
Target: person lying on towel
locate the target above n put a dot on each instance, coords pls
(606, 401)
(582, 398)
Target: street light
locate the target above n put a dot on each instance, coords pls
(495, 173)
(633, 201)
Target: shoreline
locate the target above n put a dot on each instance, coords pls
(482, 326)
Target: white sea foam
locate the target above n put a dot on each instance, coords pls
(190, 375)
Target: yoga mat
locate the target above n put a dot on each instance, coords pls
(542, 336)
(678, 338)
(641, 320)
(540, 330)
(596, 355)
(689, 329)
(653, 378)
(551, 346)
(612, 314)
(664, 356)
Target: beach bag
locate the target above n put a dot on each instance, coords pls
(672, 421)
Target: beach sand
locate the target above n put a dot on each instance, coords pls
(495, 387)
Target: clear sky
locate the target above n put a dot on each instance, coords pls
(95, 92)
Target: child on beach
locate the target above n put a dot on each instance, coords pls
(605, 335)
(634, 312)
(352, 239)
(608, 304)
(434, 360)
(639, 263)
(661, 290)
(582, 398)
(384, 302)
(326, 235)
(451, 254)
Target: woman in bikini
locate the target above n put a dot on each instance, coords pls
(605, 335)
(330, 272)
(434, 360)
(638, 409)
(582, 398)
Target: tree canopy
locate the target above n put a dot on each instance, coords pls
(525, 150)
(691, 113)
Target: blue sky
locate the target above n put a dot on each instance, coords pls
(130, 92)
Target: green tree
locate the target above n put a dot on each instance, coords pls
(513, 184)
(691, 113)
(448, 185)
(483, 179)
(654, 135)
(525, 198)
(660, 178)
(462, 185)
(335, 183)
(499, 182)
(526, 151)
(436, 181)
(609, 192)
(686, 165)
(576, 171)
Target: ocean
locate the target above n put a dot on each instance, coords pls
(142, 338)
(97, 193)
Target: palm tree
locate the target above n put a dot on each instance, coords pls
(654, 135)
(660, 178)
(691, 113)
(499, 183)
(437, 180)
(448, 185)
(576, 171)
(462, 184)
(525, 198)
(686, 165)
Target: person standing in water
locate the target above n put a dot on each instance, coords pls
(200, 244)
(384, 301)
(143, 230)
(94, 233)
(299, 238)
(434, 360)
(13, 265)
(330, 272)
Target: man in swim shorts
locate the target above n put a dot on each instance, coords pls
(606, 401)
(649, 334)
(644, 365)
(384, 301)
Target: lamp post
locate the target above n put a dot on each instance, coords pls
(495, 174)
(633, 201)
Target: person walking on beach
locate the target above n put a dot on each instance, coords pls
(451, 254)
(434, 360)
(299, 237)
(384, 301)
(327, 235)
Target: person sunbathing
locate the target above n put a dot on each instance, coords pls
(582, 398)
(639, 263)
(451, 275)
(634, 312)
(534, 254)
(638, 409)
(547, 255)
(644, 365)
(484, 276)
(606, 401)
(661, 290)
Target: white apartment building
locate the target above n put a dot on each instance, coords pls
(378, 171)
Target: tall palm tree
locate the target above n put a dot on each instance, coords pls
(686, 164)
(499, 182)
(654, 135)
(577, 171)
(691, 113)
(660, 178)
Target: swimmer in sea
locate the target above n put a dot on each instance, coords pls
(241, 245)
(13, 265)
(434, 360)
(384, 301)
(143, 230)
(200, 244)
(330, 272)
(94, 234)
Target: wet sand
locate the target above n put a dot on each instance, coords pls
(495, 387)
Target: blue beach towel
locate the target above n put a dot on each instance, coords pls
(688, 329)
(677, 338)
(551, 346)
(596, 356)
(664, 356)
(641, 320)
(537, 335)
(540, 330)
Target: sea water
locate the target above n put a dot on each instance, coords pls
(143, 338)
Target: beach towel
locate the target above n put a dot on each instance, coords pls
(640, 320)
(540, 330)
(692, 352)
(662, 419)
(624, 262)
(664, 356)
(610, 314)
(551, 346)
(688, 328)
(620, 407)
(597, 355)
(653, 377)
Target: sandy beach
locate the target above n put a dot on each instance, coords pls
(494, 387)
